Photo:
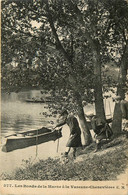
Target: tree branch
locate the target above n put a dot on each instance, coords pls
(20, 31)
(124, 35)
(86, 34)
(58, 42)
(107, 30)
(37, 13)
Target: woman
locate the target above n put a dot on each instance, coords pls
(75, 132)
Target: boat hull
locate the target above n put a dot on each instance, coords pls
(15, 142)
(35, 101)
(38, 101)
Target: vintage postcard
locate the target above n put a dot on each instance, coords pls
(64, 97)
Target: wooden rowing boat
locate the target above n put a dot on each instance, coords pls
(34, 101)
(30, 138)
(38, 100)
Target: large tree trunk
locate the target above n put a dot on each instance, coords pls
(84, 127)
(117, 120)
(99, 105)
(94, 44)
(80, 112)
(117, 117)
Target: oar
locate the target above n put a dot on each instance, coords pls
(10, 135)
(58, 138)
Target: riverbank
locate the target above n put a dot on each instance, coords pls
(107, 164)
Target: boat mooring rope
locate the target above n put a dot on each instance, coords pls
(36, 148)
(57, 145)
(37, 144)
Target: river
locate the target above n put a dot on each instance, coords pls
(17, 116)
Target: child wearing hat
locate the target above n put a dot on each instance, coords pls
(74, 140)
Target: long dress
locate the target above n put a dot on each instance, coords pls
(102, 130)
(75, 132)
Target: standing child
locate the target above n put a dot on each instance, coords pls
(74, 140)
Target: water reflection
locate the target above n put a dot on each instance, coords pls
(17, 115)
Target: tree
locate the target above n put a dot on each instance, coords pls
(55, 52)
(119, 41)
(67, 50)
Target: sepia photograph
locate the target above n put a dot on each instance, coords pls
(64, 97)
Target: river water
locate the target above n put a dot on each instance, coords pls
(17, 116)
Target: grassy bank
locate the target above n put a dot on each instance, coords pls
(106, 164)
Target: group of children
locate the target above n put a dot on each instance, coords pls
(100, 127)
